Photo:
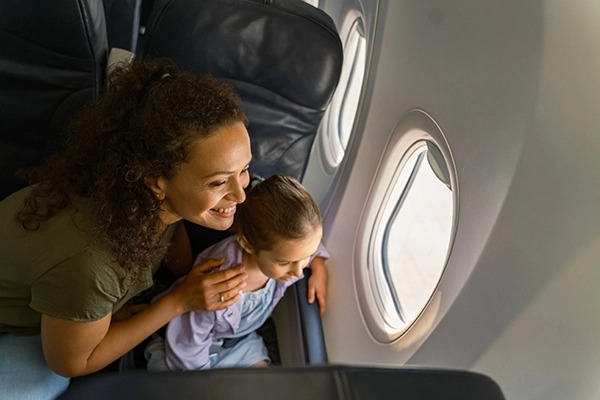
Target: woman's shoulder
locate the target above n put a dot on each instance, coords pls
(65, 238)
(12, 203)
(76, 207)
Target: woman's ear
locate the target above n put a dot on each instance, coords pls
(243, 242)
(155, 184)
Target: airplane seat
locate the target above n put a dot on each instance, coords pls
(328, 382)
(122, 23)
(52, 62)
(284, 58)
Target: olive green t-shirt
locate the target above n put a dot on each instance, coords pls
(58, 270)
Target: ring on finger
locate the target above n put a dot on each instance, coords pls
(221, 298)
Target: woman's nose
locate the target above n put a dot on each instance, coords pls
(237, 192)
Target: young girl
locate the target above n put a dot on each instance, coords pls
(278, 234)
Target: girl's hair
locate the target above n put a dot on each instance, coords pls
(277, 208)
(142, 126)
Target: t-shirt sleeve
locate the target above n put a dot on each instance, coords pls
(321, 252)
(80, 288)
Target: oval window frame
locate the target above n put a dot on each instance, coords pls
(414, 127)
(334, 138)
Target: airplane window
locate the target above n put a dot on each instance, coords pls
(414, 239)
(409, 227)
(339, 123)
(342, 110)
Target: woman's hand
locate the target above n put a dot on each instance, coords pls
(202, 290)
(317, 283)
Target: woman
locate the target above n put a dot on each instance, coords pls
(159, 146)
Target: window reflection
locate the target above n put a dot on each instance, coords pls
(356, 51)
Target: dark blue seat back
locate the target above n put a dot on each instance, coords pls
(331, 382)
(284, 57)
(52, 60)
(123, 23)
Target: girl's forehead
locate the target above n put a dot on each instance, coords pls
(297, 249)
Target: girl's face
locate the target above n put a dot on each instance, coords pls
(206, 189)
(287, 258)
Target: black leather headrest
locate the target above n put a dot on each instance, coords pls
(122, 23)
(52, 59)
(284, 57)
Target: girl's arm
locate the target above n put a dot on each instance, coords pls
(74, 348)
(317, 283)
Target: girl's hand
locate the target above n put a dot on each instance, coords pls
(202, 290)
(317, 283)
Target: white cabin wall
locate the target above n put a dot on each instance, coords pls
(429, 60)
(515, 88)
(536, 325)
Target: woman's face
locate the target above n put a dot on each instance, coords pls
(206, 189)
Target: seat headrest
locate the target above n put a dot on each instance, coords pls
(284, 45)
(51, 63)
(284, 58)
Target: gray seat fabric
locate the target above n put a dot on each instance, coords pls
(52, 59)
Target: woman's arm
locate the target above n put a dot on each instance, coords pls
(78, 348)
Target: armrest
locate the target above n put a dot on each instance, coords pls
(310, 323)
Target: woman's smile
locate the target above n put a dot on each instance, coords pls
(225, 212)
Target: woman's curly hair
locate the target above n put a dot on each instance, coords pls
(142, 126)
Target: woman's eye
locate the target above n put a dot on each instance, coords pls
(218, 183)
(284, 263)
